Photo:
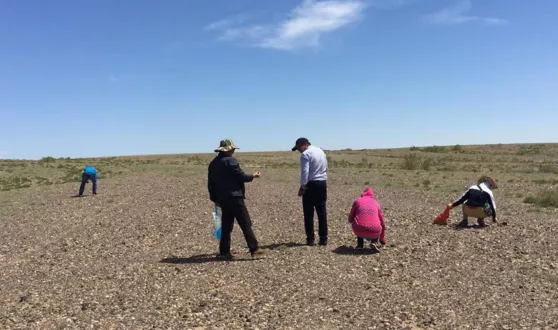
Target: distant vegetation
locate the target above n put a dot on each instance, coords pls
(519, 163)
(414, 162)
(47, 159)
(438, 149)
(548, 168)
(14, 183)
(532, 149)
(544, 198)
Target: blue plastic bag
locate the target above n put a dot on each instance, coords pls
(217, 222)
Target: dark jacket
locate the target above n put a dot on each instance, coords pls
(225, 179)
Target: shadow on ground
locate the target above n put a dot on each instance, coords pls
(476, 226)
(204, 258)
(201, 258)
(348, 250)
(281, 246)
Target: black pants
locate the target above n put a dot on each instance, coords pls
(236, 208)
(86, 177)
(360, 241)
(315, 198)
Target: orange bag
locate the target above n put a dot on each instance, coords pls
(442, 218)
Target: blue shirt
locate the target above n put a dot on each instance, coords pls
(313, 165)
(90, 170)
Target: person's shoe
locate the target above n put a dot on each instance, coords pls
(481, 222)
(463, 224)
(226, 256)
(310, 242)
(323, 241)
(257, 252)
(374, 248)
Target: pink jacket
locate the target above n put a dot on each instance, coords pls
(367, 218)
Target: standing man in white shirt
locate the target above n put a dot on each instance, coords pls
(313, 188)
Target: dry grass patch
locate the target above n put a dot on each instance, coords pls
(545, 198)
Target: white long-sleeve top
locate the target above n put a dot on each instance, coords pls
(313, 165)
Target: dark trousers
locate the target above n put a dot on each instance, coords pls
(360, 241)
(86, 177)
(315, 198)
(236, 208)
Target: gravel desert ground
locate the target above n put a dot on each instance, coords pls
(140, 254)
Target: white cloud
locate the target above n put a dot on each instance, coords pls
(226, 23)
(457, 14)
(303, 28)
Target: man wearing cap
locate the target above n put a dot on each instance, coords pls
(226, 189)
(313, 188)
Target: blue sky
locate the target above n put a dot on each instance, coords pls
(100, 78)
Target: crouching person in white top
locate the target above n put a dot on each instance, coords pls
(478, 202)
(313, 189)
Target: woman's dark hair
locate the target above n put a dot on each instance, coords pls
(488, 181)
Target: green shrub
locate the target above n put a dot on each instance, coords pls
(447, 168)
(530, 150)
(434, 149)
(548, 168)
(14, 182)
(530, 200)
(544, 198)
(411, 162)
(47, 159)
(425, 164)
(72, 175)
(542, 181)
(364, 163)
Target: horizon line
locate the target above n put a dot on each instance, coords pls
(282, 151)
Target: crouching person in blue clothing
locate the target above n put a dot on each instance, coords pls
(88, 173)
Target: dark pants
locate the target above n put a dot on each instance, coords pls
(231, 209)
(315, 198)
(86, 177)
(360, 241)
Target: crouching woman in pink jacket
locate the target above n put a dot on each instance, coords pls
(367, 220)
